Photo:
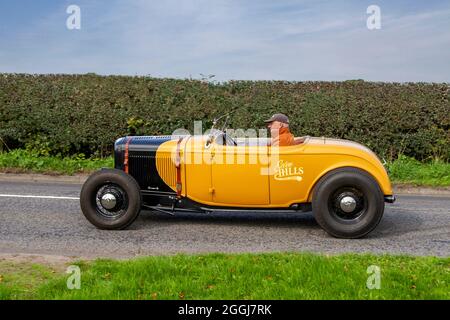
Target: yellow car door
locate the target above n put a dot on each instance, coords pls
(239, 175)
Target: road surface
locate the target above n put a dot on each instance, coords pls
(45, 218)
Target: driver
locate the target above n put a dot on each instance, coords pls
(278, 125)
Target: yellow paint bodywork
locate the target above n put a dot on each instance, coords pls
(261, 176)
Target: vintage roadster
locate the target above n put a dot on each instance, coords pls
(342, 182)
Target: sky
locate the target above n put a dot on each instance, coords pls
(293, 40)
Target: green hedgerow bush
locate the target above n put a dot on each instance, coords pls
(71, 114)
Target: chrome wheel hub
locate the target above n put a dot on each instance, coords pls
(111, 201)
(108, 201)
(347, 204)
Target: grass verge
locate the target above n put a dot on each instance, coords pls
(22, 161)
(402, 171)
(410, 171)
(237, 276)
(20, 280)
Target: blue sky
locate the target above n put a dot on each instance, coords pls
(235, 39)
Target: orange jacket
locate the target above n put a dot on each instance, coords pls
(284, 138)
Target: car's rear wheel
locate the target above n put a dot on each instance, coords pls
(110, 199)
(348, 203)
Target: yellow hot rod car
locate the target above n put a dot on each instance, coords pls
(342, 182)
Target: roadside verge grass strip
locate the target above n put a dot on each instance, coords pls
(23, 161)
(256, 276)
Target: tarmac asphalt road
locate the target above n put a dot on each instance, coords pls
(415, 224)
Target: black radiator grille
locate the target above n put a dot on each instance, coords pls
(142, 166)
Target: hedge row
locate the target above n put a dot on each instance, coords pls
(70, 114)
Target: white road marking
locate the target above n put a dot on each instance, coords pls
(39, 197)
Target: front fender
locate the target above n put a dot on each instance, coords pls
(376, 170)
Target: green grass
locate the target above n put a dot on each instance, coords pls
(239, 276)
(402, 171)
(24, 161)
(20, 280)
(410, 171)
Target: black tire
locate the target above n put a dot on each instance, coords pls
(126, 191)
(329, 207)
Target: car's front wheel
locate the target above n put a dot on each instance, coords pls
(110, 199)
(348, 203)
